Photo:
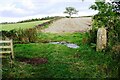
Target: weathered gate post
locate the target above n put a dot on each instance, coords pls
(101, 39)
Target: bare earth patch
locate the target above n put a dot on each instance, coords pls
(34, 61)
(70, 25)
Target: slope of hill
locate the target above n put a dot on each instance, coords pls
(21, 25)
(70, 25)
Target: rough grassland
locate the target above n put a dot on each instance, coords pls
(62, 62)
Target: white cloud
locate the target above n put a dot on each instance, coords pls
(13, 8)
(16, 10)
(64, 0)
(6, 7)
(27, 4)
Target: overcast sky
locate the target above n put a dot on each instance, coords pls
(17, 10)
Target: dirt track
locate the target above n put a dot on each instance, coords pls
(69, 25)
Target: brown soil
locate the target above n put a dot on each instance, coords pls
(34, 61)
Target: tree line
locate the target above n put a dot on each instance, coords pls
(30, 20)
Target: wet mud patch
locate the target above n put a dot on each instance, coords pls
(34, 61)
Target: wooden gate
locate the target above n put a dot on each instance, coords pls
(6, 47)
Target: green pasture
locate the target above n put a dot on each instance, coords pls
(25, 25)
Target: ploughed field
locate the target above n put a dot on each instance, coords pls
(70, 25)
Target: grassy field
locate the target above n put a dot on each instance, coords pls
(21, 25)
(45, 60)
(62, 62)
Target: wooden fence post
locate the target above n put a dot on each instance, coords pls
(12, 53)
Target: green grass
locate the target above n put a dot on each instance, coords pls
(21, 25)
(68, 37)
(63, 62)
